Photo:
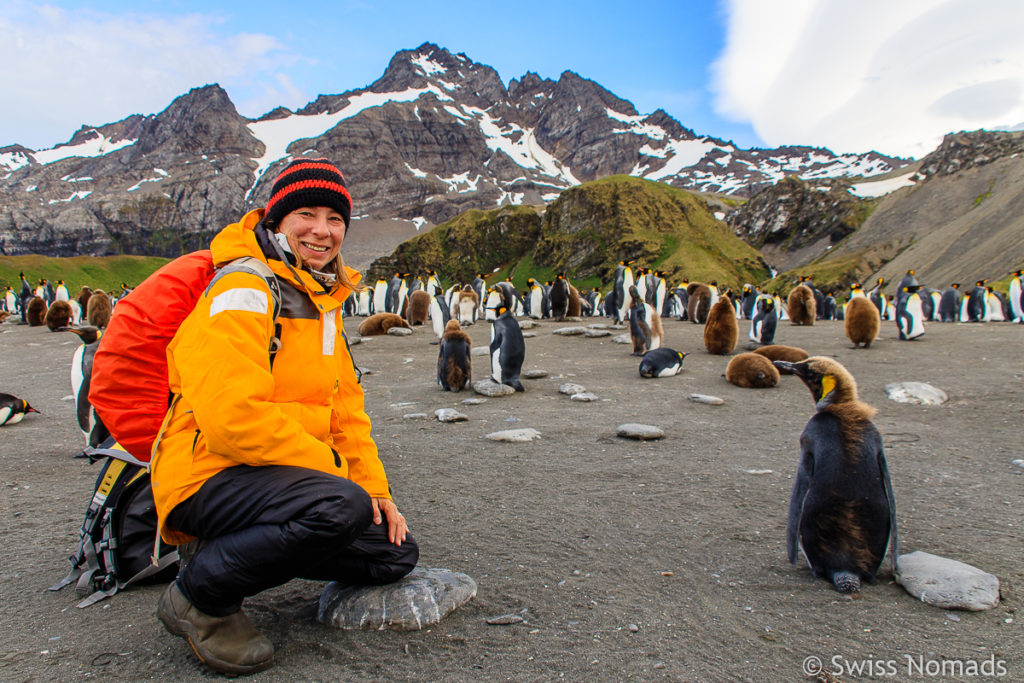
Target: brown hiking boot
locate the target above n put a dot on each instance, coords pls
(228, 645)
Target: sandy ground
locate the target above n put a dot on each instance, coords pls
(627, 560)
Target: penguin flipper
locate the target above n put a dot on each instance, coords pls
(894, 547)
(801, 484)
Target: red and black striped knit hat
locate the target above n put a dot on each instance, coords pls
(308, 182)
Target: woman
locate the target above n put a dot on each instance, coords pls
(266, 469)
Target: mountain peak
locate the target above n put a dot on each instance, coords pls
(432, 66)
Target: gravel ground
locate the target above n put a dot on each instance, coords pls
(655, 560)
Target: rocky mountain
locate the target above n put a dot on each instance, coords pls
(584, 234)
(435, 135)
(954, 216)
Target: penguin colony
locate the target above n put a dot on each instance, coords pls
(842, 513)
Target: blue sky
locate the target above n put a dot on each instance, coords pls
(848, 76)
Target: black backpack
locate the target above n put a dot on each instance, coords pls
(119, 545)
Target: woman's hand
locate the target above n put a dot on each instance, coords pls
(397, 528)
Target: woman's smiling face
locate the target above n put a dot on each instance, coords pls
(315, 234)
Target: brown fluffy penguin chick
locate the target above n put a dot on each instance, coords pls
(862, 321)
(58, 315)
(801, 307)
(699, 302)
(380, 323)
(721, 331)
(751, 371)
(83, 297)
(35, 313)
(783, 352)
(419, 307)
(97, 313)
(453, 358)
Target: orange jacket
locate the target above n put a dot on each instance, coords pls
(233, 409)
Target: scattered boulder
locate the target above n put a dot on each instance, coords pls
(474, 401)
(570, 388)
(583, 397)
(529, 335)
(400, 331)
(527, 324)
(533, 374)
(480, 351)
(449, 415)
(488, 387)
(916, 392)
(597, 333)
(420, 599)
(641, 432)
(622, 339)
(414, 416)
(570, 331)
(710, 400)
(946, 583)
(514, 435)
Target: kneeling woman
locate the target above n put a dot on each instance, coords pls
(266, 470)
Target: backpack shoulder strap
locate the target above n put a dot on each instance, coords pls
(251, 264)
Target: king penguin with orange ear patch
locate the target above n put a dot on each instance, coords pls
(508, 348)
(842, 513)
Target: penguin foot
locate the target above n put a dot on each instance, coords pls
(846, 582)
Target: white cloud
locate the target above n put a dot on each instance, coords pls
(893, 76)
(65, 68)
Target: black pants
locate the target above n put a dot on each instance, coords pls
(264, 526)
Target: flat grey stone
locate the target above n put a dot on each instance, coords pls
(1018, 462)
(488, 387)
(597, 333)
(622, 339)
(571, 319)
(570, 331)
(400, 331)
(600, 326)
(352, 341)
(527, 324)
(631, 430)
(570, 388)
(915, 392)
(514, 435)
(529, 335)
(449, 415)
(420, 599)
(583, 397)
(710, 400)
(480, 351)
(474, 401)
(403, 404)
(414, 416)
(505, 620)
(365, 371)
(533, 374)
(946, 583)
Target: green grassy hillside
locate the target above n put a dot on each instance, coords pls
(584, 234)
(103, 272)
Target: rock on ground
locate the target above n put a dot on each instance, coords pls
(570, 331)
(570, 388)
(514, 435)
(631, 430)
(710, 400)
(480, 351)
(450, 415)
(597, 333)
(533, 374)
(488, 387)
(622, 339)
(915, 392)
(946, 583)
(421, 599)
(583, 397)
(400, 331)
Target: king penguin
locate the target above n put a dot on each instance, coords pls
(909, 316)
(765, 321)
(842, 512)
(623, 281)
(1016, 296)
(453, 358)
(949, 304)
(380, 297)
(13, 409)
(508, 348)
(663, 362)
(440, 314)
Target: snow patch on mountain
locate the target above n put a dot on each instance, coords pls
(95, 146)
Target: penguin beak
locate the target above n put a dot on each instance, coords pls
(785, 367)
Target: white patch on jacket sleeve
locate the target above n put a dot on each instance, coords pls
(330, 331)
(239, 299)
